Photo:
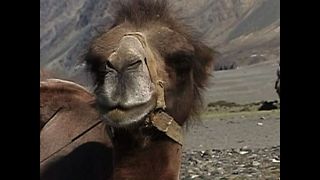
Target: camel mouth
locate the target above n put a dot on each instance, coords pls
(124, 117)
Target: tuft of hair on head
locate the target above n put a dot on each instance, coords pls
(142, 12)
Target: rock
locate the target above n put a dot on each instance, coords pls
(207, 153)
(275, 161)
(260, 124)
(266, 106)
(245, 148)
(252, 156)
(255, 163)
(190, 171)
(194, 176)
(220, 170)
(237, 150)
(243, 152)
(244, 163)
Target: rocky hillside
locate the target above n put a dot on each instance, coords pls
(243, 31)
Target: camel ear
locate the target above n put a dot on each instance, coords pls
(203, 64)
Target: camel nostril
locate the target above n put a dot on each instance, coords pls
(134, 65)
(110, 66)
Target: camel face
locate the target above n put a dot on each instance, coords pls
(123, 61)
(126, 94)
(141, 43)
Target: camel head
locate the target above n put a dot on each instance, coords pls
(145, 47)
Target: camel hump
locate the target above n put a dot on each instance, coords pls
(58, 94)
(63, 85)
(68, 118)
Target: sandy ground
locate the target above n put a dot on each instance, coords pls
(235, 130)
(244, 85)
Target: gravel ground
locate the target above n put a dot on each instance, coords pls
(244, 145)
(241, 163)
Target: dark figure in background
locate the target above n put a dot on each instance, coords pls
(277, 85)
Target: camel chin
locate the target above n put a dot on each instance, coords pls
(126, 118)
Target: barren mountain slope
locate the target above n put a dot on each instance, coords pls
(238, 29)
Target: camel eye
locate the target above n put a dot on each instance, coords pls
(109, 67)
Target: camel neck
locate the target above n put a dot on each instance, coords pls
(138, 158)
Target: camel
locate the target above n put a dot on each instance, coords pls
(149, 73)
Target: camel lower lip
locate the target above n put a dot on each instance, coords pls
(120, 117)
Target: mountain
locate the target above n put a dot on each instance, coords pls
(244, 32)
